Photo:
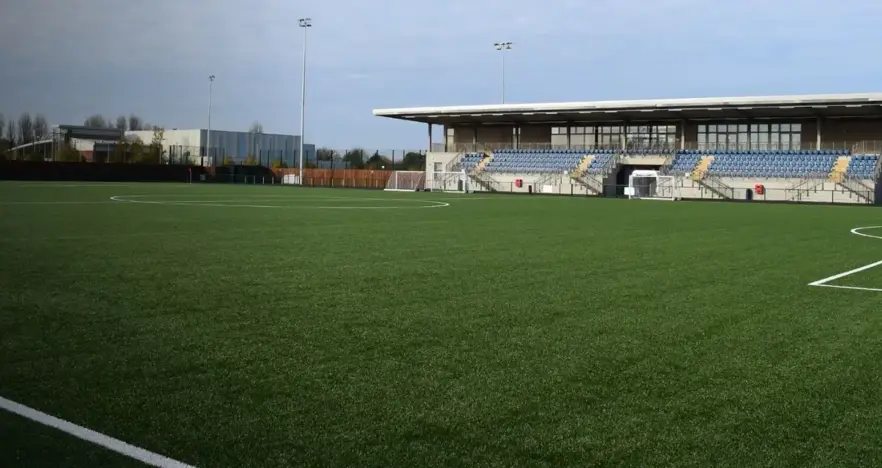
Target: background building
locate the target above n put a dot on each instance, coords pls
(238, 146)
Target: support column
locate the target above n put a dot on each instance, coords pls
(517, 136)
(430, 137)
(818, 133)
(683, 134)
(624, 135)
(475, 138)
(569, 135)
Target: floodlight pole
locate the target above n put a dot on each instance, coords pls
(304, 23)
(502, 47)
(208, 136)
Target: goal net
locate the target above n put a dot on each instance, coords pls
(448, 182)
(406, 181)
(649, 185)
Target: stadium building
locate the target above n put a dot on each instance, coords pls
(822, 148)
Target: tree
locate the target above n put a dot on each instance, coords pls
(2, 125)
(325, 154)
(355, 158)
(26, 128)
(136, 123)
(250, 160)
(11, 133)
(413, 161)
(41, 127)
(256, 127)
(155, 153)
(95, 121)
(139, 152)
(279, 164)
(228, 161)
(377, 162)
(122, 123)
(68, 153)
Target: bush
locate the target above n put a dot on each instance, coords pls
(228, 161)
(68, 154)
(279, 164)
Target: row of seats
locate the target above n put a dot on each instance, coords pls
(552, 151)
(470, 160)
(533, 163)
(863, 166)
(774, 165)
(711, 152)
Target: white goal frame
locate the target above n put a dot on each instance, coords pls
(650, 185)
(406, 181)
(443, 181)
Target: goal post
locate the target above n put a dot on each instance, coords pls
(406, 181)
(650, 185)
(443, 181)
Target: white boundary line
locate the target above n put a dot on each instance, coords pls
(116, 445)
(434, 203)
(823, 282)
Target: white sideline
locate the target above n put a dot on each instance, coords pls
(823, 282)
(137, 453)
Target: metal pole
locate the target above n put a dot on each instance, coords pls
(304, 23)
(503, 76)
(502, 47)
(208, 136)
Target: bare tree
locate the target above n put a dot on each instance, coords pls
(41, 127)
(11, 132)
(122, 123)
(256, 127)
(136, 123)
(2, 125)
(95, 121)
(26, 127)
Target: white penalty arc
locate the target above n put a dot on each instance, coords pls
(235, 204)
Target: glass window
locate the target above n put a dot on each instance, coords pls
(785, 127)
(450, 132)
(712, 138)
(796, 127)
(775, 127)
(702, 128)
(742, 128)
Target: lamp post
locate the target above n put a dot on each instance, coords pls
(502, 47)
(208, 136)
(304, 23)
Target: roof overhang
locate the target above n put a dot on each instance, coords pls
(770, 107)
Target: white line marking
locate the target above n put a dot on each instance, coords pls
(118, 446)
(55, 203)
(823, 282)
(858, 229)
(842, 275)
(846, 287)
(434, 203)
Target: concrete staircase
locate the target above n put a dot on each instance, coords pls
(839, 169)
(480, 166)
(583, 166)
(700, 171)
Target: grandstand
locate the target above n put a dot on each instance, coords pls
(822, 148)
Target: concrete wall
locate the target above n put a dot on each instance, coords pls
(777, 190)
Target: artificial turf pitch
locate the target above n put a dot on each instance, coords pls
(251, 326)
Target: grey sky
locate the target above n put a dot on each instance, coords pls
(69, 59)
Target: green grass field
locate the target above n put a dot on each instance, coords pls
(252, 326)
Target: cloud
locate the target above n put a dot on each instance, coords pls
(71, 58)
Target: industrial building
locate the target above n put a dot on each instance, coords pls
(265, 147)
